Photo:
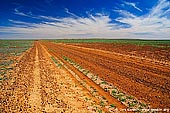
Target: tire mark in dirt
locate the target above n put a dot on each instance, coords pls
(142, 92)
(91, 83)
(152, 63)
(35, 96)
(151, 80)
(15, 93)
(114, 59)
(60, 92)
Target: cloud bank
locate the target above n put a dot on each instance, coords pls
(153, 25)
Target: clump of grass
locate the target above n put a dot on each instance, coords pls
(94, 90)
(86, 72)
(105, 89)
(112, 106)
(114, 92)
(92, 77)
(86, 99)
(102, 103)
(103, 97)
(132, 104)
(103, 82)
(57, 63)
(65, 58)
(91, 87)
(1, 78)
(99, 110)
(116, 96)
(96, 78)
(130, 97)
(122, 99)
(121, 94)
(143, 105)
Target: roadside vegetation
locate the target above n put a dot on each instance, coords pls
(128, 100)
(10, 50)
(155, 43)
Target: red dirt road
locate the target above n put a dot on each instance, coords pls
(38, 86)
(147, 80)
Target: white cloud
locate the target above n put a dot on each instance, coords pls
(161, 9)
(68, 12)
(20, 13)
(154, 25)
(133, 5)
(125, 13)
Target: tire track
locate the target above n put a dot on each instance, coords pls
(35, 95)
(60, 93)
(149, 79)
(156, 94)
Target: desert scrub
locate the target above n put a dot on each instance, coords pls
(10, 50)
(112, 106)
(114, 91)
(122, 99)
(129, 97)
(103, 82)
(85, 72)
(57, 63)
(100, 111)
(102, 103)
(127, 100)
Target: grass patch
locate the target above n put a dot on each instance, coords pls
(103, 82)
(9, 52)
(102, 103)
(114, 92)
(156, 43)
(85, 72)
(122, 99)
(57, 63)
(100, 111)
(112, 106)
(130, 97)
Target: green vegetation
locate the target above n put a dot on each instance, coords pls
(129, 97)
(143, 105)
(119, 95)
(114, 92)
(57, 63)
(133, 103)
(103, 97)
(122, 99)
(14, 47)
(112, 105)
(105, 89)
(86, 72)
(9, 51)
(156, 43)
(100, 111)
(103, 82)
(16, 43)
(102, 103)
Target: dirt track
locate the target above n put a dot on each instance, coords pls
(143, 78)
(161, 53)
(37, 85)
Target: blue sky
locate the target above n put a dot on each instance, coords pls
(113, 19)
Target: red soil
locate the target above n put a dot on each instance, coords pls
(143, 78)
(162, 54)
